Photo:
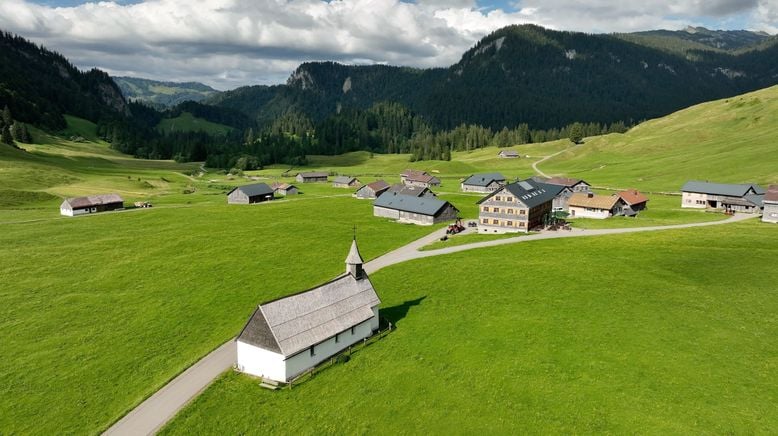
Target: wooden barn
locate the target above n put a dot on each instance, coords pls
(415, 210)
(509, 154)
(415, 191)
(745, 198)
(634, 201)
(770, 214)
(92, 204)
(516, 207)
(312, 177)
(250, 194)
(284, 189)
(345, 182)
(486, 182)
(575, 185)
(283, 338)
(372, 190)
(419, 178)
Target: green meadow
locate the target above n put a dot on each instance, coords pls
(587, 335)
(186, 122)
(666, 332)
(728, 141)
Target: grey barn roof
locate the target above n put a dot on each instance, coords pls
(430, 206)
(343, 179)
(729, 190)
(314, 174)
(292, 324)
(509, 152)
(416, 191)
(93, 200)
(484, 179)
(255, 189)
(529, 192)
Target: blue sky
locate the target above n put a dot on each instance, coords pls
(228, 43)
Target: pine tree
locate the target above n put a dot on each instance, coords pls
(6, 136)
(7, 118)
(576, 133)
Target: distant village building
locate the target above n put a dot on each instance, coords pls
(719, 196)
(770, 214)
(312, 177)
(92, 204)
(634, 201)
(285, 337)
(345, 182)
(588, 205)
(372, 190)
(284, 189)
(509, 154)
(575, 185)
(419, 178)
(414, 210)
(486, 182)
(516, 207)
(250, 194)
(415, 191)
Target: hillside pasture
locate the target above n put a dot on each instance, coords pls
(667, 332)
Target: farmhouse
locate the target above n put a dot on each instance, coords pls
(312, 177)
(284, 189)
(561, 194)
(588, 205)
(634, 201)
(92, 204)
(419, 178)
(575, 185)
(509, 154)
(414, 210)
(372, 190)
(345, 182)
(727, 197)
(285, 337)
(487, 182)
(250, 194)
(770, 214)
(516, 207)
(415, 191)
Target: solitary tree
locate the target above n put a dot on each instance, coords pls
(576, 133)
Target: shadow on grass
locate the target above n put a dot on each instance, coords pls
(396, 313)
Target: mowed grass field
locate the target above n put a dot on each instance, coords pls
(728, 141)
(666, 332)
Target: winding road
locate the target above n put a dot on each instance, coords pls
(538, 170)
(159, 408)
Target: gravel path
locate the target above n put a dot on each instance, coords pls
(158, 409)
(535, 165)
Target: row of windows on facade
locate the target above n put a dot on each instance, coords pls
(688, 201)
(497, 222)
(508, 211)
(337, 339)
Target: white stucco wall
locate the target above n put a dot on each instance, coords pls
(581, 212)
(263, 363)
(770, 214)
(693, 199)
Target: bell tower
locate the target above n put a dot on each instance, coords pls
(354, 261)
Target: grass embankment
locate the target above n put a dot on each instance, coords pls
(728, 141)
(668, 331)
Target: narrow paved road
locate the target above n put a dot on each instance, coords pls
(158, 409)
(535, 165)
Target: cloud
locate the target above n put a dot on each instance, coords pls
(227, 43)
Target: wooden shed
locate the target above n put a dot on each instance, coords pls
(249, 194)
(91, 204)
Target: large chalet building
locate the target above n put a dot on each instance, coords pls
(516, 207)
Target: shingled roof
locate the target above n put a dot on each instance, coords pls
(484, 179)
(346, 180)
(772, 194)
(582, 199)
(289, 325)
(254, 189)
(632, 197)
(314, 174)
(563, 181)
(93, 200)
(729, 190)
(430, 206)
(529, 192)
(416, 191)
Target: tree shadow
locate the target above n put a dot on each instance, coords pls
(396, 313)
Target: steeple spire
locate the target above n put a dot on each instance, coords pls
(354, 260)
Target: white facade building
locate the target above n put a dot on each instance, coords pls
(285, 337)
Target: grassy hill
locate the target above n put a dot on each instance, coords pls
(98, 312)
(730, 140)
(165, 94)
(186, 122)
